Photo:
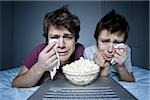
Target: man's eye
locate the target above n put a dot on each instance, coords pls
(54, 37)
(68, 37)
(105, 41)
(118, 42)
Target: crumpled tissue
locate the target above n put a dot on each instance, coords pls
(54, 69)
(121, 45)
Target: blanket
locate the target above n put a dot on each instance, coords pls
(140, 88)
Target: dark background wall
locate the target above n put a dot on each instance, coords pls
(21, 26)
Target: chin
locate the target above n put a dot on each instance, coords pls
(64, 58)
(109, 60)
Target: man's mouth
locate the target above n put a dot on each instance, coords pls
(108, 57)
(62, 53)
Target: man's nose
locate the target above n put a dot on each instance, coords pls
(110, 48)
(61, 42)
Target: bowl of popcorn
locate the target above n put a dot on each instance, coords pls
(81, 72)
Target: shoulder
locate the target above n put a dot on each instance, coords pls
(32, 57)
(91, 48)
(89, 52)
(40, 47)
(128, 47)
(79, 49)
(80, 46)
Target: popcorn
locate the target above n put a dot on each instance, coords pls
(81, 67)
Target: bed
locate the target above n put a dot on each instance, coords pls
(140, 89)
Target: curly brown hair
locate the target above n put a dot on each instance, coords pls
(61, 18)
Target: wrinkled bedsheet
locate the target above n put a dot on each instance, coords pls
(140, 88)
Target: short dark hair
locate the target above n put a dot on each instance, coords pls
(113, 22)
(61, 18)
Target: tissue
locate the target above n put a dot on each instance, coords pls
(54, 69)
(121, 45)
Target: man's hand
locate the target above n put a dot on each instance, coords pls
(104, 65)
(47, 58)
(120, 55)
(98, 58)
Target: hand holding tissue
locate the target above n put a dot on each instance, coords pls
(120, 46)
(54, 69)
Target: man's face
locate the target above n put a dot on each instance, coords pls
(106, 43)
(66, 43)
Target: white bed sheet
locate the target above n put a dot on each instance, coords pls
(140, 89)
(9, 93)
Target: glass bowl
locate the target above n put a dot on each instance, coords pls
(81, 79)
(81, 72)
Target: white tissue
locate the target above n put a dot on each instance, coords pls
(121, 45)
(54, 69)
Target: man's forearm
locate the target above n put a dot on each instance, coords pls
(28, 79)
(104, 71)
(124, 74)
